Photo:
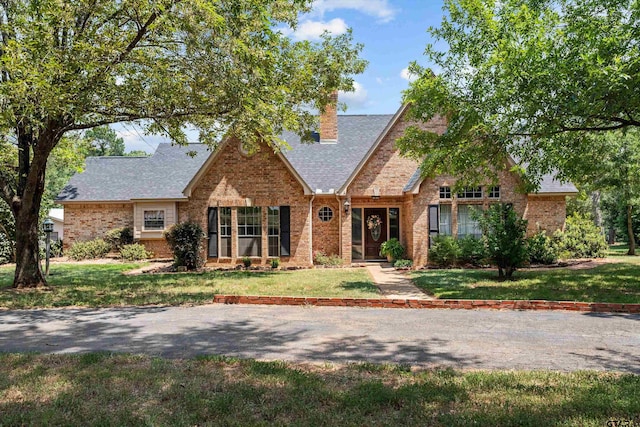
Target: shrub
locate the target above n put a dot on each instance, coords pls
(392, 248)
(185, 240)
(92, 249)
(541, 249)
(246, 261)
(444, 251)
(403, 263)
(134, 252)
(56, 249)
(320, 258)
(119, 237)
(580, 239)
(505, 236)
(472, 250)
(275, 263)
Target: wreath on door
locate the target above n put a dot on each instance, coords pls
(374, 224)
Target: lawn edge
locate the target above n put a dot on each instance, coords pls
(458, 304)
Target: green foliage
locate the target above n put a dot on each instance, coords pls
(119, 237)
(472, 250)
(91, 249)
(580, 239)
(558, 71)
(185, 240)
(246, 261)
(137, 153)
(67, 158)
(320, 258)
(134, 252)
(275, 263)
(444, 251)
(504, 233)
(56, 249)
(541, 249)
(403, 263)
(392, 248)
(104, 141)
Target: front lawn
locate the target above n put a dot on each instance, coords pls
(613, 282)
(101, 285)
(102, 389)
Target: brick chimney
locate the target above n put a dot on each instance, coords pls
(329, 121)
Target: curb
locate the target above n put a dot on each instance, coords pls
(459, 304)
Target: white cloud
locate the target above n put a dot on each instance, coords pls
(379, 9)
(408, 75)
(311, 30)
(357, 99)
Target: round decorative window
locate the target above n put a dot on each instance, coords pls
(243, 150)
(325, 214)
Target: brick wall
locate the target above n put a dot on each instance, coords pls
(159, 247)
(84, 222)
(545, 213)
(262, 179)
(326, 235)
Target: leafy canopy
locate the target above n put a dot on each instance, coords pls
(530, 78)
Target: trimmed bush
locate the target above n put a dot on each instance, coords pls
(275, 263)
(580, 239)
(541, 249)
(320, 258)
(92, 249)
(56, 249)
(185, 240)
(134, 252)
(472, 250)
(444, 251)
(403, 263)
(246, 261)
(119, 237)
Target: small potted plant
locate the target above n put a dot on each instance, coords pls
(392, 249)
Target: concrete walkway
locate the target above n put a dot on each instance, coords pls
(394, 284)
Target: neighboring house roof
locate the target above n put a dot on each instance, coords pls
(326, 167)
(56, 214)
(160, 176)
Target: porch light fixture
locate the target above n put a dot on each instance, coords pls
(346, 206)
(376, 193)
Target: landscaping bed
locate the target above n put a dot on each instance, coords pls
(103, 389)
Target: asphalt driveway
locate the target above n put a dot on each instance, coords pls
(473, 339)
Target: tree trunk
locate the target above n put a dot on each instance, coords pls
(28, 270)
(632, 240)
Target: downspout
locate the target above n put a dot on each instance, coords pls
(311, 229)
(339, 224)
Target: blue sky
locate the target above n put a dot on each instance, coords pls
(393, 32)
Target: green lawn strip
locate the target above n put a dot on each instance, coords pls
(614, 283)
(99, 285)
(103, 389)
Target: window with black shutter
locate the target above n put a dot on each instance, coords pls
(213, 232)
(285, 231)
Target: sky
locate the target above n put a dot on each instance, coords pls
(393, 32)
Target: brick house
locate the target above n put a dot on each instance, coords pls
(344, 195)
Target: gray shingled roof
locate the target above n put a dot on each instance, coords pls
(548, 184)
(328, 166)
(161, 176)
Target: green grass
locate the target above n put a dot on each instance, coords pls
(617, 282)
(101, 285)
(103, 389)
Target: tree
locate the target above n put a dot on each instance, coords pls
(529, 78)
(219, 67)
(104, 142)
(505, 235)
(137, 153)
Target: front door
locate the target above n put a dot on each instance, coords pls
(375, 232)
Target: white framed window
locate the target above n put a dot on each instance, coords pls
(325, 214)
(467, 225)
(250, 231)
(445, 192)
(273, 217)
(153, 220)
(470, 193)
(444, 226)
(494, 192)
